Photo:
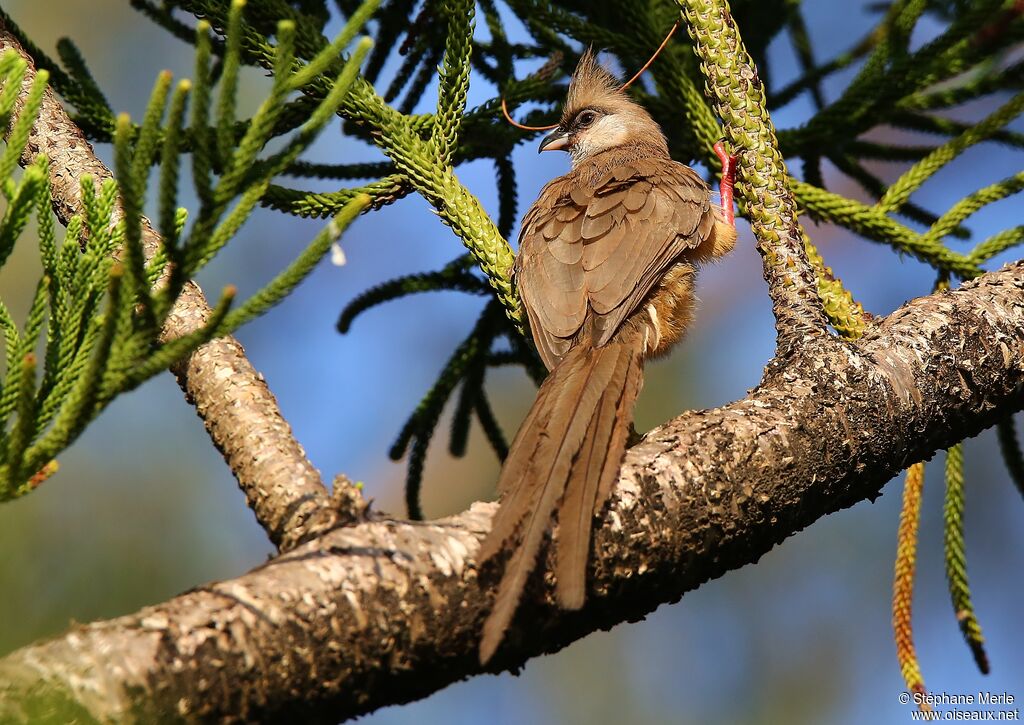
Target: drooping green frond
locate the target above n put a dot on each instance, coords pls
(853, 168)
(903, 580)
(467, 366)
(959, 212)
(997, 244)
(454, 276)
(324, 204)
(913, 178)
(298, 270)
(956, 563)
(99, 319)
(18, 135)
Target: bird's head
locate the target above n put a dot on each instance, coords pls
(599, 116)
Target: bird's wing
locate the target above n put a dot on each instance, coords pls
(590, 253)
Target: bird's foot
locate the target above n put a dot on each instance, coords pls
(728, 180)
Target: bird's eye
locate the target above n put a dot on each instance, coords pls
(585, 118)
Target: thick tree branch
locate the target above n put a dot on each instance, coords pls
(282, 487)
(389, 611)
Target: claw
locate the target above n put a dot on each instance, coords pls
(728, 180)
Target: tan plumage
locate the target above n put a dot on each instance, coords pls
(605, 271)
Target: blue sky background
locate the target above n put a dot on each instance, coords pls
(144, 507)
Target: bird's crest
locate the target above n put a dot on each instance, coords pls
(592, 84)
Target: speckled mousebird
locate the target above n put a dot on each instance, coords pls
(606, 265)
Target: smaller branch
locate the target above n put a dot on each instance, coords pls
(739, 99)
(282, 487)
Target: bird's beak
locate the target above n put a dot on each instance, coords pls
(557, 139)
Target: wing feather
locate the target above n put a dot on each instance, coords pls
(591, 252)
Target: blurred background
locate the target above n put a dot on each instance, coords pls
(144, 508)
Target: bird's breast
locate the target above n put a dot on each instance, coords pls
(670, 308)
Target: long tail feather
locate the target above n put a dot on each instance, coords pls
(564, 457)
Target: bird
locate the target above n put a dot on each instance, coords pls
(605, 270)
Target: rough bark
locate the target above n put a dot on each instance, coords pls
(281, 486)
(389, 611)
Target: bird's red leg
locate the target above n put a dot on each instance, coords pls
(728, 180)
